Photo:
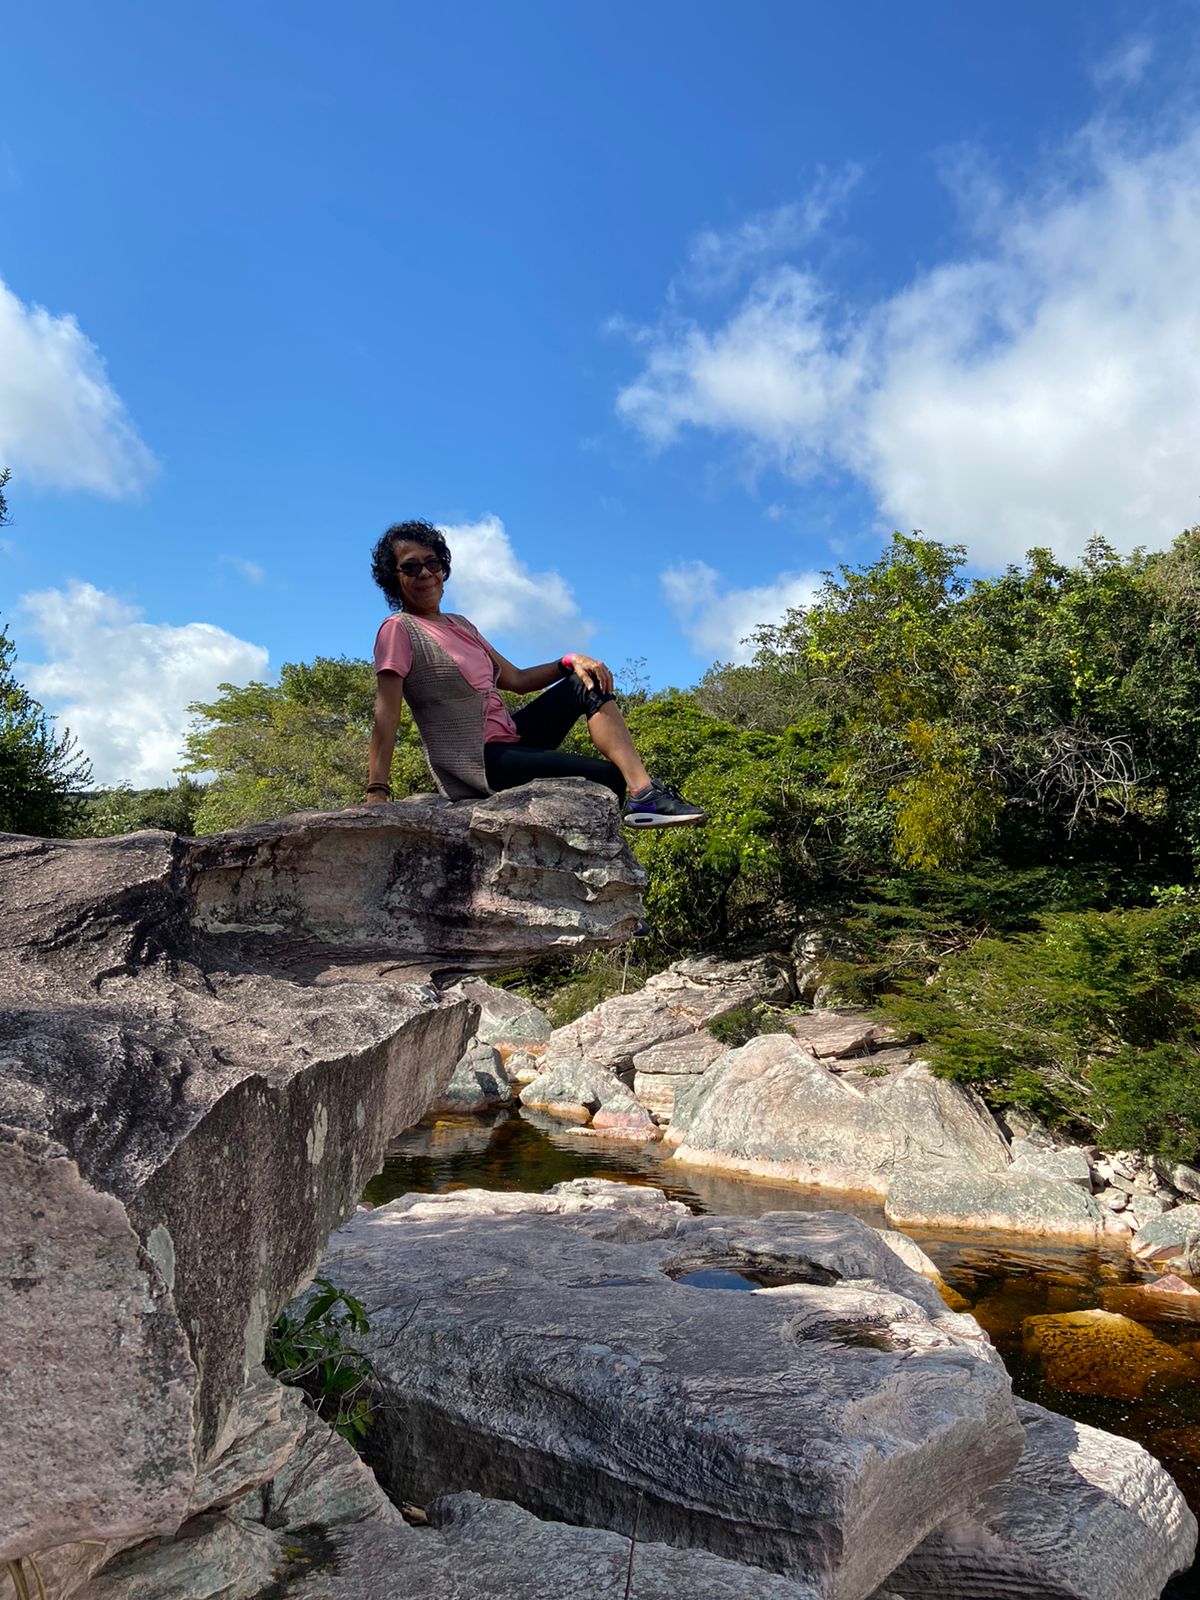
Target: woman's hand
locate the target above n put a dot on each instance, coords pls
(375, 799)
(594, 674)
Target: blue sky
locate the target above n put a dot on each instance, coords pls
(662, 309)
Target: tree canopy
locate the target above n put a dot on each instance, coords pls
(42, 773)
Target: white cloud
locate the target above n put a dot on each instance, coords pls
(1032, 391)
(61, 422)
(122, 685)
(718, 622)
(1124, 66)
(716, 259)
(251, 571)
(498, 592)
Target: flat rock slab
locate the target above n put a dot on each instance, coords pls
(543, 1349)
(1086, 1516)
(1042, 1207)
(1069, 1165)
(836, 1033)
(492, 1550)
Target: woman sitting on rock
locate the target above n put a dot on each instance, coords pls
(449, 674)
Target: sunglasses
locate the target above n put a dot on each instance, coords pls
(414, 569)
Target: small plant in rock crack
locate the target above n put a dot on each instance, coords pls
(315, 1351)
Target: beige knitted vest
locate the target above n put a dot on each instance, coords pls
(448, 713)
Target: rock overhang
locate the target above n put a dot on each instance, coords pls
(212, 1041)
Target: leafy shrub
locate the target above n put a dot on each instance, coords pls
(315, 1351)
(1092, 1021)
(738, 1027)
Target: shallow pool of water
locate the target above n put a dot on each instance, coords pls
(1001, 1278)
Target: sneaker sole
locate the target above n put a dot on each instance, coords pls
(663, 822)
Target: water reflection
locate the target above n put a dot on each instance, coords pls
(1003, 1282)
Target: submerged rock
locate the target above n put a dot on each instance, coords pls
(1102, 1353)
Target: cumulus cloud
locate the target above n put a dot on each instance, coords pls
(121, 684)
(1032, 390)
(492, 586)
(61, 421)
(718, 621)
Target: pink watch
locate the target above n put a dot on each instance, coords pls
(567, 663)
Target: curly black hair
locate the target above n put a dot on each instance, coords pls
(383, 557)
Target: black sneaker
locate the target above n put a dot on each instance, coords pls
(661, 807)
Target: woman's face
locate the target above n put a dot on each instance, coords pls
(421, 592)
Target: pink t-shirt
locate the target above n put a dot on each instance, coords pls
(393, 653)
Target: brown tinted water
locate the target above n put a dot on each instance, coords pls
(1003, 1279)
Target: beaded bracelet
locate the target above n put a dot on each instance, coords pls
(380, 788)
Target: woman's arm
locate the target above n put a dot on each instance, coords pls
(525, 680)
(389, 696)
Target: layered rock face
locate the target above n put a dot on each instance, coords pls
(581, 1353)
(205, 1046)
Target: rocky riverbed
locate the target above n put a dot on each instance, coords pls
(206, 1045)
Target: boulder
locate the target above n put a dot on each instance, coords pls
(772, 1109)
(205, 1046)
(1085, 1516)
(623, 1117)
(521, 1067)
(504, 1017)
(947, 1125)
(686, 1056)
(1068, 1165)
(479, 1083)
(673, 1004)
(571, 1086)
(550, 1349)
(1103, 1353)
(1173, 1239)
(964, 1199)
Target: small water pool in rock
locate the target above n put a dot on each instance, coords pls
(1003, 1280)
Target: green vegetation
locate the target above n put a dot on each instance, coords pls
(738, 1027)
(126, 810)
(295, 746)
(42, 773)
(314, 1350)
(974, 787)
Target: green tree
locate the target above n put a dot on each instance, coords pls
(5, 475)
(42, 773)
(297, 745)
(127, 810)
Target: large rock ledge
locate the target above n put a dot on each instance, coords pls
(205, 1046)
(579, 1353)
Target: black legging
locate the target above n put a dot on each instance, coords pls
(543, 725)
